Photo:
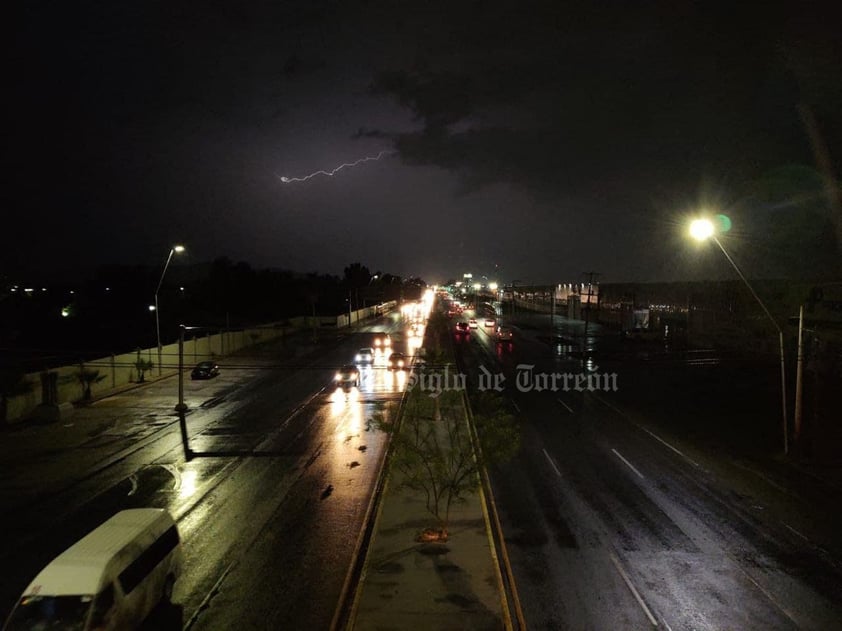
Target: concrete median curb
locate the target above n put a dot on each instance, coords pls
(404, 583)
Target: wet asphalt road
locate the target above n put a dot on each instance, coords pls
(617, 516)
(270, 508)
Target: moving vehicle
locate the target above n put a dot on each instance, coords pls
(504, 334)
(490, 322)
(205, 370)
(461, 327)
(112, 578)
(382, 340)
(365, 356)
(347, 376)
(472, 323)
(398, 361)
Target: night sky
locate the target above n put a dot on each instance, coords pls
(528, 141)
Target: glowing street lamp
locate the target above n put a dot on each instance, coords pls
(176, 249)
(704, 229)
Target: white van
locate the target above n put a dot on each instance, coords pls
(110, 579)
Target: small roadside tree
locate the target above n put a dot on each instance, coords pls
(142, 365)
(87, 378)
(436, 456)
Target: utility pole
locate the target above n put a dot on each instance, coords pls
(514, 299)
(590, 276)
(552, 307)
(799, 377)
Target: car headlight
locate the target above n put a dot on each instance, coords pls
(337, 377)
(358, 358)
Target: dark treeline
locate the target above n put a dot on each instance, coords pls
(111, 311)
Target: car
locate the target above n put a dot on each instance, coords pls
(472, 323)
(504, 334)
(461, 327)
(490, 322)
(347, 376)
(398, 361)
(365, 356)
(205, 370)
(382, 340)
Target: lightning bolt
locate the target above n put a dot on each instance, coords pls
(289, 180)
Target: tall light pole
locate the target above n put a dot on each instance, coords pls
(702, 230)
(176, 249)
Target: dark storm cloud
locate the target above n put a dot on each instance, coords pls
(637, 115)
(595, 125)
(611, 90)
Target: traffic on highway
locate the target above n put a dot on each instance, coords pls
(266, 510)
(611, 516)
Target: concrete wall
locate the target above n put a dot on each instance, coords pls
(117, 371)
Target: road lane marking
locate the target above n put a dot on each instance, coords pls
(630, 465)
(652, 434)
(206, 600)
(795, 531)
(552, 463)
(569, 409)
(633, 590)
(765, 592)
(613, 407)
(667, 445)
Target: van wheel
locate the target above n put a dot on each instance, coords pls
(169, 584)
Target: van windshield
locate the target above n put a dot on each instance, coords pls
(37, 613)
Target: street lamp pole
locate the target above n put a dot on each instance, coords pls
(173, 250)
(780, 340)
(702, 229)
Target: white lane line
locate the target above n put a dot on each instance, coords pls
(515, 406)
(668, 446)
(206, 600)
(552, 463)
(652, 434)
(630, 465)
(766, 593)
(795, 531)
(569, 409)
(633, 590)
(613, 407)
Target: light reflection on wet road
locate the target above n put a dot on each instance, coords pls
(273, 502)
